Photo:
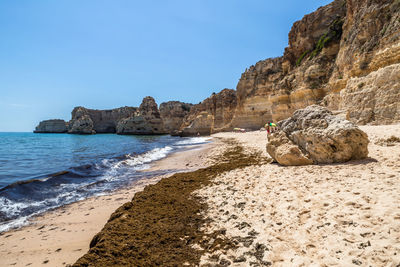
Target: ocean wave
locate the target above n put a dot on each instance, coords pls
(22, 200)
(193, 141)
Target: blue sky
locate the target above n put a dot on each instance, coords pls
(55, 55)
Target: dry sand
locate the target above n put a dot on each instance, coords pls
(322, 215)
(60, 237)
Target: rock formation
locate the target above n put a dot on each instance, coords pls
(81, 125)
(374, 97)
(146, 121)
(285, 152)
(344, 56)
(334, 54)
(314, 134)
(126, 120)
(51, 126)
(87, 121)
(214, 114)
(172, 113)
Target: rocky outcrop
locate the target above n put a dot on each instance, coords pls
(85, 121)
(82, 125)
(173, 113)
(214, 114)
(201, 125)
(331, 52)
(51, 126)
(344, 56)
(146, 121)
(274, 88)
(373, 98)
(314, 134)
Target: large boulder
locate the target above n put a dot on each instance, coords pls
(51, 126)
(320, 136)
(285, 151)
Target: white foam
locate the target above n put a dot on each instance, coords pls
(116, 170)
(193, 141)
(137, 162)
(13, 224)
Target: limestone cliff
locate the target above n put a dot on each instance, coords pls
(51, 126)
(146, 121)
(214, 114)
(173, 113)
(87, 121)
(344, 55)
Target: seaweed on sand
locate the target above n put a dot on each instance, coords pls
(161, 223)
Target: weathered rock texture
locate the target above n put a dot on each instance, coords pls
(51, 126)
(334, 54)
(344, 56)
(285, 151)
(314, 134)
(214, 114)
(87, 121)
(173, 113)
(146, 121)
(374, 97)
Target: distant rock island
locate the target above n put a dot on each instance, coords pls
(345, 56)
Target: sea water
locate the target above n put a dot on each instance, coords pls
(39, 172)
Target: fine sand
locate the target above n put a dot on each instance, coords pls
(321, 215)
(60, 237)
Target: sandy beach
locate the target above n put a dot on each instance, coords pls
(61, 236)
(319, 215)
(266, 214)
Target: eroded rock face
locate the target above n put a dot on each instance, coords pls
(146, 121)
(81, 125)
(101, 121)
(172, 113)
(329, 51)
(374, 97)
(320, 136)
(201, 125)
(51, 126)
(214, 114)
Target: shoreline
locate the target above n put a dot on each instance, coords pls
(60, 236)
(231, 207)
(162, 225)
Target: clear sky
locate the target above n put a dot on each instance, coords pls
(102, 54)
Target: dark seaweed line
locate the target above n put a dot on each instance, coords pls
(159, 225)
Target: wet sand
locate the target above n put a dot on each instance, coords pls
(61, 236)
